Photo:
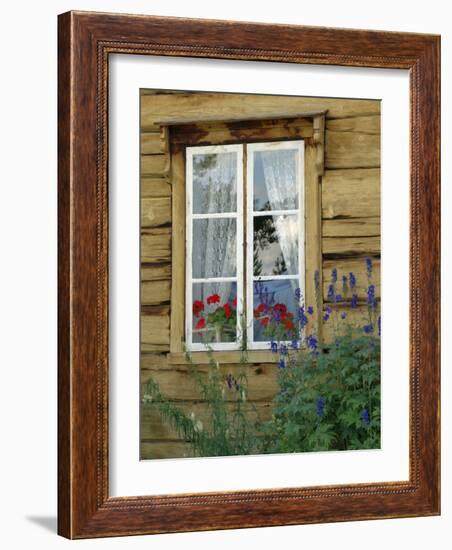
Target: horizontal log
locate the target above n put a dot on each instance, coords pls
(176, 383)
(155, 330)
(156, 245)
(202, 106)
(351, 246)
(230, 357)
(153, 361)
(361, 124)
(164, 449)
(155, 211)
(351, 150)
(146, 348)
(155, 292)
(359, 269)
(351, 227)
(155, 187)
(155, 165)
(336, 326)
(154, 427)
(351, 193)
(151, 143)
(155, 272)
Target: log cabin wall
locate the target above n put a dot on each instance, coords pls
(350, 197)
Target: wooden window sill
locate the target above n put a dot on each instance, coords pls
(223, 357)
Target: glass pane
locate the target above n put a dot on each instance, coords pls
(214, 183)
(275, 308)
(214, 248)
(275, 180)
(275, 245)
(214, 312)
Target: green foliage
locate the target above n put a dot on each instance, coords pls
(328, 401)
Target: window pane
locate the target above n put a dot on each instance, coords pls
(275, 180)
(214, 248)
(275, 245)
(214, 183)
(275, 309)
(214, 312)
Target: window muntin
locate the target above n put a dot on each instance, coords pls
(215, 235)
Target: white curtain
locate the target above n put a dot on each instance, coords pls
(281, 185)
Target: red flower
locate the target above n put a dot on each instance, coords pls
(261, 308)
(198, 306)
(227, 310)
(288, 324)
(213, 299)
(264, 321)
(281, 308)
(234, 302)
(201, 323)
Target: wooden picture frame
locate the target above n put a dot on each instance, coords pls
(85, 508)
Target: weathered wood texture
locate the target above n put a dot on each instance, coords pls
(350, 217)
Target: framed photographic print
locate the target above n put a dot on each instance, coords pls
(248, 275)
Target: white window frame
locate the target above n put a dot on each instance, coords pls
(242, 243)
(251, 279)
(190, 216)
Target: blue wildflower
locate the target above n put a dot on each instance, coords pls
(368, 328)
(310, 310)
(302, 317)
(344, 284)
(334, 275)
(328, 310)
(369, 267)
(281, 364)
(379, 326)
(311, 342)
(354, 303)
(331, 293)
(371, 299)
(294, 344)
(283, 349)
(326, 317)
(365, 417)
(343, 315)
(274, 346)
(320, 407)
(352, 280)
(338, 297)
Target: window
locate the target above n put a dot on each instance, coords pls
(244, 239)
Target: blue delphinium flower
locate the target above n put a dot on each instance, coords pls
(281, 364)
(354, 303)
(298, 294)
(312, 342)
(302, 317)
(334, 275)
(369, 267)
(365, 417)
(283, 349)
(310, 310)
(338, 297)
(379, 326)
(331, 293)
(352, 280)
(320, 407)
(274, 346)
(371, 299)
(294, 344)
(343, 315)
(326, 317)
(368, 328)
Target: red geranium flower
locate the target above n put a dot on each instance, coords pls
(261, 308)
(281, 308)
(198, 306)
(227, 310)
(288, 324)
(213, 299)
(264, 321)
(234, 302)
(201, 323)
